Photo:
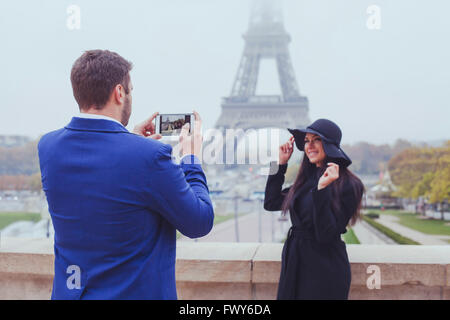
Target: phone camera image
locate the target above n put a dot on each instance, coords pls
(171, 124)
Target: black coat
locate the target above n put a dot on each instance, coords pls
(314, 261)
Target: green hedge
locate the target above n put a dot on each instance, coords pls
(388, 232)
(372, 215)
(6, 218)
(350, 238)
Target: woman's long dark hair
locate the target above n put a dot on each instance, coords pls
(308, 170)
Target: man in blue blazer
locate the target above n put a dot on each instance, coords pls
(116, 198)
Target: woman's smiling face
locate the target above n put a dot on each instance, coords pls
(314, 149)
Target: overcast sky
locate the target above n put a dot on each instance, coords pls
(378, 85)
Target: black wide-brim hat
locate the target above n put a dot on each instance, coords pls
(331, 140)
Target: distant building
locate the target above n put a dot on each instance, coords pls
(381, 193)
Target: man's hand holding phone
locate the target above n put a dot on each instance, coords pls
(192, 143)
(190, 139)
(147, 128)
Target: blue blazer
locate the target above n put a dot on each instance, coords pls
(116, 200)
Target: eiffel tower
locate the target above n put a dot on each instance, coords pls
(266, 38)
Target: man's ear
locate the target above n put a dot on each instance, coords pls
(119, 94)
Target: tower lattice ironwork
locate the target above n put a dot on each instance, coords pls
(266, 38)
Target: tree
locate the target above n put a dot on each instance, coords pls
(401, 145)
(440, 186)
(367, 158)
(34, 182)
(19, 182)
(20, 160)
(422, 172)
(423, 186)
(408, 168)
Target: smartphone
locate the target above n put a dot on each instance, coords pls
(170, 124)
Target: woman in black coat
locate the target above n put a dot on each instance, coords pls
(324, 198)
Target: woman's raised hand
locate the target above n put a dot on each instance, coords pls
(286, 150)
(331, 174)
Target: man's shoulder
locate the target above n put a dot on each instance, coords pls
(132, 146)
(49, 137)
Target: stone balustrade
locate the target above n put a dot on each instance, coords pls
(251, 271)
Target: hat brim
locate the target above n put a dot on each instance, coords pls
(333, 152)
(299, 136)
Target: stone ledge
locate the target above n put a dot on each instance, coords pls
(267, 263)
(447, 275)
(412, 254)
(393, 274)
(214, 290)
(26, 263)
(214, 262)
(21, 286)
(401, 292)
(213, 271)
(398, 264)
(251, 271)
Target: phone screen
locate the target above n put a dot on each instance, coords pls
(171, 124)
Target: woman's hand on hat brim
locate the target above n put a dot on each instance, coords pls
(285, 151)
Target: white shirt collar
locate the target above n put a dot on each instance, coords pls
(97, 116)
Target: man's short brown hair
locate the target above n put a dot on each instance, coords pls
(94, 76)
